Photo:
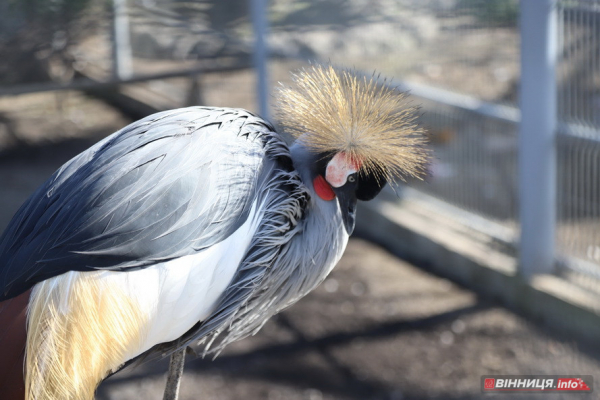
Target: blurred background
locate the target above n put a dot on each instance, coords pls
(489, 266)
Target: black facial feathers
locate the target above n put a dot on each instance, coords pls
(368, 187)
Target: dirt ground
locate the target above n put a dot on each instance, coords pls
(378, 328)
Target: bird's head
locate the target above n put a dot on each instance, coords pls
(353, 134)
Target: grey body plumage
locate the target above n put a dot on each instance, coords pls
(196, 224)
(139, 197)
(283, 263)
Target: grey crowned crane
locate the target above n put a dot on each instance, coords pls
(196, 224)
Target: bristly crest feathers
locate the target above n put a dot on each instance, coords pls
(331, 110)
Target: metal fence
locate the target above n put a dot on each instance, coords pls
(166, 49)
(536, 176)
(578, 136)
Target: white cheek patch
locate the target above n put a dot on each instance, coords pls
(338, 169)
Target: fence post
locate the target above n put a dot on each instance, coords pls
(261, 54)
(121, 46)
(537, 145)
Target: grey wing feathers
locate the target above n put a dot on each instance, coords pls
(244, 308)
(163, 187)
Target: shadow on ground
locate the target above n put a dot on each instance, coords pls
(378, 328)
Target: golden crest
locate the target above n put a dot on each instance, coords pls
(331, 110)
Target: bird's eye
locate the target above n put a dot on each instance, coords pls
(351, 179)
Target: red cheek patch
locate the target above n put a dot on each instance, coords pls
(323, 189)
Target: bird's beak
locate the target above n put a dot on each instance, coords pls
(347, 201)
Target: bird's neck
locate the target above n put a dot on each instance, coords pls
(305, 162)
(323, 237)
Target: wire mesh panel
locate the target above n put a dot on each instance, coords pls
(578, 80)
(82, 44)
(469, 47)
(168, 34)
(475, 162)
(140, 56)
(41, 41)
(579, 198)
(578, 231)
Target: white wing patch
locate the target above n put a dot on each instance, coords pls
(178, 294)
(173, 296)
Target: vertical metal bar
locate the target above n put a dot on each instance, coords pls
(121, 46)
(577, 50)
(567, 57)
(261, 54)
(537, 147)
(561, 69)
(596, 200)
(589, 50)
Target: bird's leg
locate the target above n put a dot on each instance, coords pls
(174, 375)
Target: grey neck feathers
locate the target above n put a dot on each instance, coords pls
(322, 239)
(305, 163)
(307, 253)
